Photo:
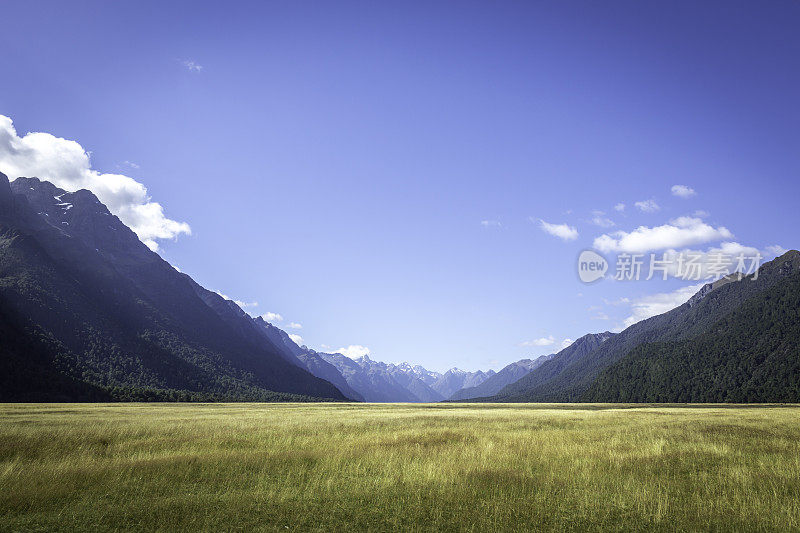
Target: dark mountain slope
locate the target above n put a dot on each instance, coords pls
(750, 355)
(26, 373)
(107, 313)
(710, 304)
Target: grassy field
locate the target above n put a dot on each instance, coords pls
(386, 467)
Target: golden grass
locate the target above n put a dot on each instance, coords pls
(344, 467)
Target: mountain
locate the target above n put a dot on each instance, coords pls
(508, 375)
(412, 381)
(455, 379)
(372, 380)
(89, 312)
(569, 376)
(377, 381)
(428, 377)
(752, 354)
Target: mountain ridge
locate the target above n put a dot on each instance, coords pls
(567, 379)
(749, 355)
(106, 313)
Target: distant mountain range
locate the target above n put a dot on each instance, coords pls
(376, 381)
(382, 382)
(508, 375)
(89, 313)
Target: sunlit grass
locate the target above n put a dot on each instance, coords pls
(387, 467)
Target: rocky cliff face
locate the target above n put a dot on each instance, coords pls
(82, 216)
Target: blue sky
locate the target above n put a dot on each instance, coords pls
(379, 173)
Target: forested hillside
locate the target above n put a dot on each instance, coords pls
(750, 355)
(568, 376)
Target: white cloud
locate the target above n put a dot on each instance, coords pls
(294, 325)
(683, 191)
(648, 206)
(562, 231)
(272, 317)
(726, 255)
(297, 339)
(603, 222)
(775, 250)
(619, 301)
(67, 165)
(619, 207)
(732, 248)
(701, 214)
(491, 224)
(656, 304)
(354, 351)
(192, 65)
(679, 233)
(599, 219)
(600, 316)
(543, 341)
(130, 164)
(566, 342)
